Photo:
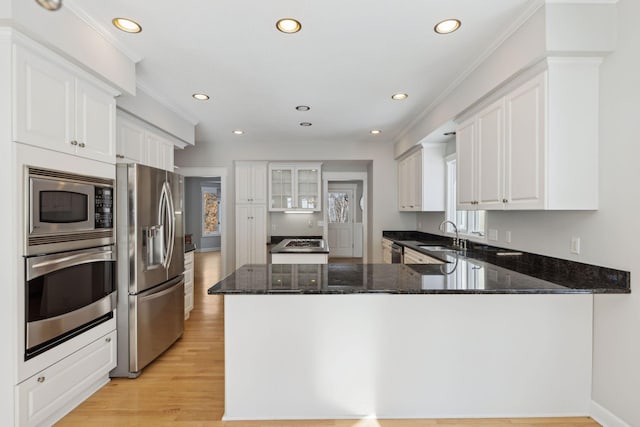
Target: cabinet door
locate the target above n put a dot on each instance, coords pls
(466, 165)
(243, 233)
(157, 147)
(490, 142)
(281, 188)
(44, 103)
(258, 236)
(524, 148)
(308, 188)
(259, 183)
(402, 184)
(415, 183)
(95, 123)
(130, 144)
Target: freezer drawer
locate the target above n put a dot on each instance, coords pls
(156, 322)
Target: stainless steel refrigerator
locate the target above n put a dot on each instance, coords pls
(150, 265)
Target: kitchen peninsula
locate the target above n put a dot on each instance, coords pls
(466, 338)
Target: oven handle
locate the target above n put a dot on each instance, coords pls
(41, 265)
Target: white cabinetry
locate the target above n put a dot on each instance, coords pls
(414, 257)
(47, 396)
(295, 187)
(536, 146)
(188, 283)
(59, 108)
(139, 142)
(251, 213)
(251, 182)
(251, 234)
(421, 179)
(386, 251)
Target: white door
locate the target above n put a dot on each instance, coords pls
(341, 209)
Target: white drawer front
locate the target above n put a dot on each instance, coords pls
(47, 396)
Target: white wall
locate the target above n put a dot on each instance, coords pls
(282, 224)
(382, 188)
(607, 235)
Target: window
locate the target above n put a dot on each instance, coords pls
(468, 222)
(211, 211)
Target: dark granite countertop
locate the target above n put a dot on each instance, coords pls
(482, 269)
(189, 247)
(301, 246)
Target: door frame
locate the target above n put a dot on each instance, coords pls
(347, 176)
(205, 172)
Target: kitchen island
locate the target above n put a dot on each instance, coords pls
(463, 339)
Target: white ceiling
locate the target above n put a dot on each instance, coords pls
(347, 61)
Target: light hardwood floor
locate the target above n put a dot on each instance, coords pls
(185, 385)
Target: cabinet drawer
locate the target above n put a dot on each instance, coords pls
(52, 393)
(188, 260)
(188, 277)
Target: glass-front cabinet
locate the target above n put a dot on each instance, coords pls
(295, 186)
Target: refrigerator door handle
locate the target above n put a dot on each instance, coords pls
(164, 220)
(172, 224)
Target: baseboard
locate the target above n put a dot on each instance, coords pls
(208, 250)
(605, 417)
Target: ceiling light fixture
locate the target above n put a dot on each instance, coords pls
(305, 124)
(288, 25)
(399, 96)
(447, 26)
(50, 4)
(376, 132)
(201, 96)
(303, 108)
(127, 25)
(238, 132)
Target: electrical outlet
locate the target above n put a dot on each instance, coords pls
(493, 234)
(419, 225)
(310, 223)
(321, 223)
(575, 245)
(273, 228)
(507, 236)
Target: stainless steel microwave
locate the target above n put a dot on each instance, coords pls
(67, 211)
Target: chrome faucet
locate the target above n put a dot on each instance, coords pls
(456, 241)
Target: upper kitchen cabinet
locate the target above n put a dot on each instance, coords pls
(295, 186)
(59, 107)
(421, 179)
(251, 182)
(535, 147)
(139, 142)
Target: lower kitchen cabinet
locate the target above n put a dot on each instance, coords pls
(386, 251)
(251, 234)
(50, 394)
(188, 283)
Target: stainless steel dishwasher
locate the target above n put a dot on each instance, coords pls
(396, 254)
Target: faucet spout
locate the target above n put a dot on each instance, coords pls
(456, 241)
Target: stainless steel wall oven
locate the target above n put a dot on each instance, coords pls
(69, 256)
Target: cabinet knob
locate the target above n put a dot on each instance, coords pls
(81, 145)
(74, 142)
(108, 339)
(119, 156)
(41, 379)
(505, 201)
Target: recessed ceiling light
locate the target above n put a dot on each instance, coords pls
(201, 96)
(127, 25)
(305, 124)
(50, 4)
(447, 26)
(303, 108)
(376, 132)
(399, 96)
(238, 132)
(288, 25)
